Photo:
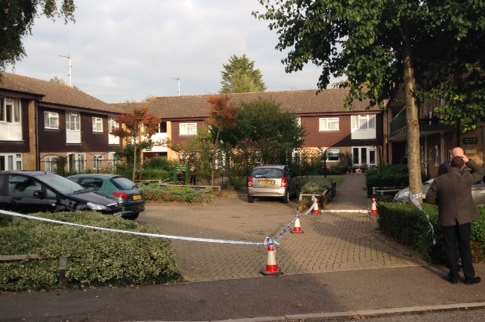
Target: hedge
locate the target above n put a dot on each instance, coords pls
(407, 225)
(153, 192)
(94, 258)
(387, 176)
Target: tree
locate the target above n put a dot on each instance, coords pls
(137, 128)
(265, 134)
(378, 45)
(17, 19)
(222, 117)
(240, 76)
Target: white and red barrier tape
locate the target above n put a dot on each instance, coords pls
(267, 240)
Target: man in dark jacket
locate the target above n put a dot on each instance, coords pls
(453, 194)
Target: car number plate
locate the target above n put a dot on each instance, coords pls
(266, 183)
(136, 197)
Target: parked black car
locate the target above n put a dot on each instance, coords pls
(30, 192)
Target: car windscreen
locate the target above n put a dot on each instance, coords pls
(123, 183)
(60, 184)
(267, 173)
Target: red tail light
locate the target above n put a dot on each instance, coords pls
(250, 181)
(284, 182)
(121, 196)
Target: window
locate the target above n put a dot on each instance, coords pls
(329, 124)
(51, 120)
(187, 129)
(97, 124)
(10, 161)
(23, 187)
(113, 125)
(363, 122)
(162, 127)
(10, 111)
(333, 154)
(50, 163)
(76, 162)
(73, 122)
(94, 183)
(98, 162)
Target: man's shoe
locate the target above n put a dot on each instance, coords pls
(453, 279)
(473, 280)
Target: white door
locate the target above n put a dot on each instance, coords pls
(364, 156)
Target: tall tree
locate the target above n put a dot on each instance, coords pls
(377, 45)
(137, 127)
(239, 76)
(222, 117)
(16, 21)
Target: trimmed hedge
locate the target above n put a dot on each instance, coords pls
(387, 176)
(94, 258)
(407, 225)
(313, 184)
(153, 192)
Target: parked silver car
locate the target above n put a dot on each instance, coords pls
(269, 181)
(478, 192)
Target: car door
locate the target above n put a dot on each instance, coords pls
(29, 195)
(478, 192)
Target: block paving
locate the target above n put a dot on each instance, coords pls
(332, 242)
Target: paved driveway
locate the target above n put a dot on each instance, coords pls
(331, 242)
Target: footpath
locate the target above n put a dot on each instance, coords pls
(348, 273)
(277, 298)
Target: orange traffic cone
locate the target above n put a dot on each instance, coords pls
(297, 227)
(373, 207)
(271, 269)
(316, 209)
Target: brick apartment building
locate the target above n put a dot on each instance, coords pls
(43, 122)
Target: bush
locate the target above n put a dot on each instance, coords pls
(311, 184)
(238, 182)
(395, 175)
(94, 258)
(153, 192)
(407, 225)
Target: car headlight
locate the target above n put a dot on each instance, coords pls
(95, 206)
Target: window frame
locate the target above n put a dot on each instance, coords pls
(323, 124)
(16, 161)
(368, 119)
(187, 126)
(47, 119)
(69, 122)
(98, 161)
(97, 122)
(15, 107)
(332, 151)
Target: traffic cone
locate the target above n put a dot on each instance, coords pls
(316, 208)
(297, 227)
(373, 207)
(271, 269)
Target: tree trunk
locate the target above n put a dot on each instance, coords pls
(413, 133)
(135, 152)
(214, 156)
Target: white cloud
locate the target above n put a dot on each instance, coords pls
(126, 50)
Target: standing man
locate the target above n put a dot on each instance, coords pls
(455, 152)
(453, 194)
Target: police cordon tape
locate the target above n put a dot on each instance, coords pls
(267, 240)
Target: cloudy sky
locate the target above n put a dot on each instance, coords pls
(130, 50)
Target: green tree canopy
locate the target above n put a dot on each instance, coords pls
(239, 76)
(16, 21)
(378, 45)
(264, 133)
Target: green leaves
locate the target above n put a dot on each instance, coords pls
(240, 76)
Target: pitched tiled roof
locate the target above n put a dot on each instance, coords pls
(53, 92)
(298, 102)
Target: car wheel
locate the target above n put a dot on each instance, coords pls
(286, 198)
(131, 216)
(250, 199)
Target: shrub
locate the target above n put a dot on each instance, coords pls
(94, 258)
(153, 192)
(238, 182)
(311, 184)
(387, 176)
(407, 225)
